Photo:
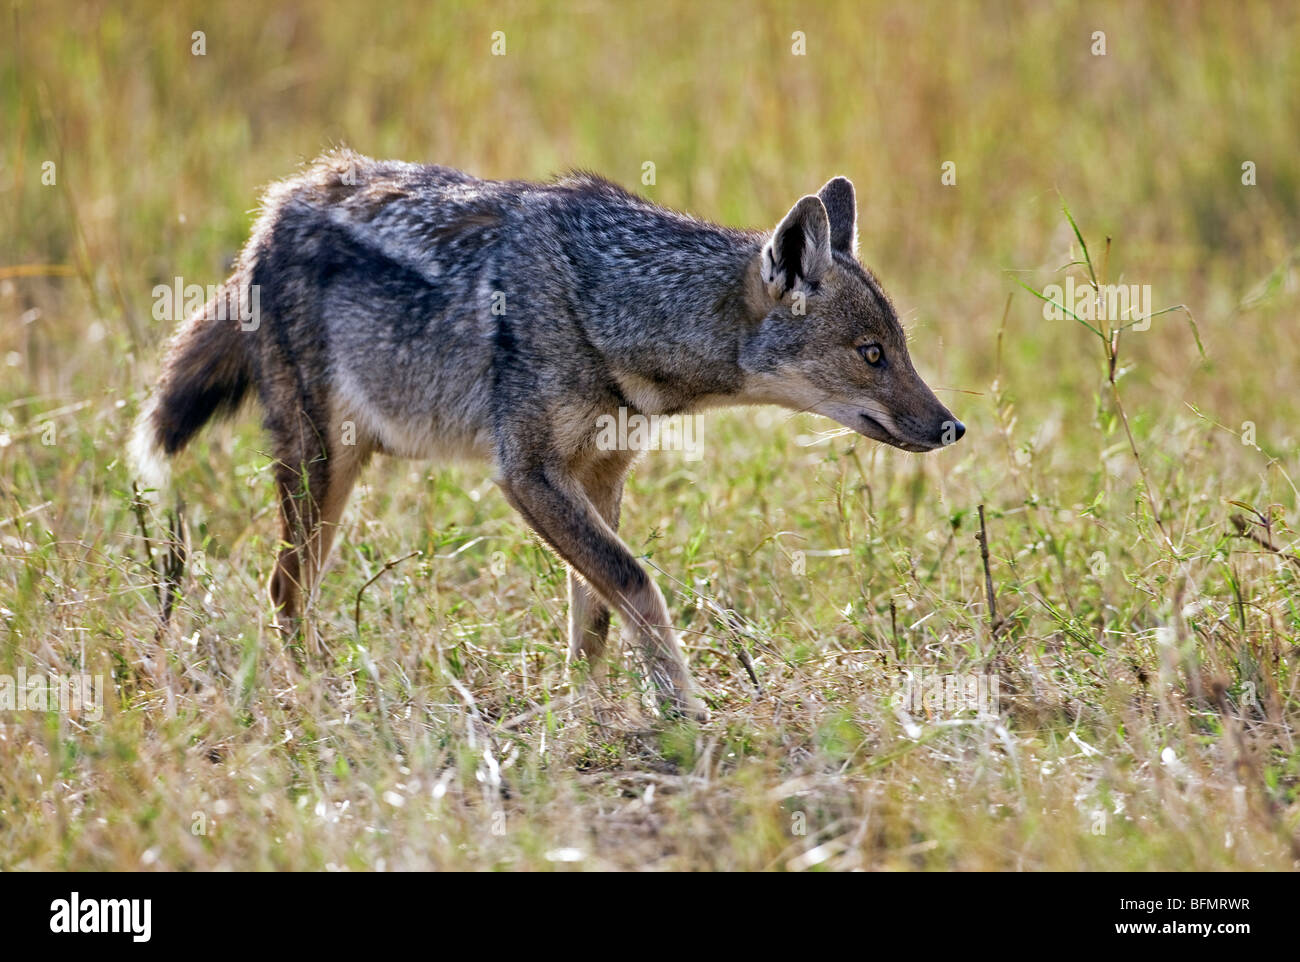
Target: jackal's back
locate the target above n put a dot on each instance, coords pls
(377, 277)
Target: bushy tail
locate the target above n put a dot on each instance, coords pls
(206, 373)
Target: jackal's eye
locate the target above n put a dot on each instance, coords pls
(872, 354)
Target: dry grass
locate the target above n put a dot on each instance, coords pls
(1146, 648)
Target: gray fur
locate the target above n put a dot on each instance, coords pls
(377, 285)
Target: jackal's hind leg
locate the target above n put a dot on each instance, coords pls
(313, 481)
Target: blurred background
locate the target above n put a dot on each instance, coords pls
(136, 139)
(160, 153)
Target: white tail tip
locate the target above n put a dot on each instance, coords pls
(148, 464)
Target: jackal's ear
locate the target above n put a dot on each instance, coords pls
(842, 209)
(799, 251)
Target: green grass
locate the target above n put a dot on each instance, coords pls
(1135, 622)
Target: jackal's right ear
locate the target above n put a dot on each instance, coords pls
(842, 209)
(799, 251)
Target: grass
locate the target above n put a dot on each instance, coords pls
(1136, 487)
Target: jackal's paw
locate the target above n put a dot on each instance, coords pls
(697, 711)
(614, 719)
(677, 694)
(687, 705)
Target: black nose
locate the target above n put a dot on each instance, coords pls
(951, 432)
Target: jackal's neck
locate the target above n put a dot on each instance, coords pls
(680, 277)
(671, 326)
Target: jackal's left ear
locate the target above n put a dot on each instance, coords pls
(842, 209)
(799, 251)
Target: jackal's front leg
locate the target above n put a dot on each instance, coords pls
(559, 510)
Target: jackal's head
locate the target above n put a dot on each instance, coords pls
(826, 338)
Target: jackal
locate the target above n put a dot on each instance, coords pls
(419, 312)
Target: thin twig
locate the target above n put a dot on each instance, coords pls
(1243, 528)
(995, 623)
(388, 566)
(137, 505)
(749, 667)
(174, 563)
